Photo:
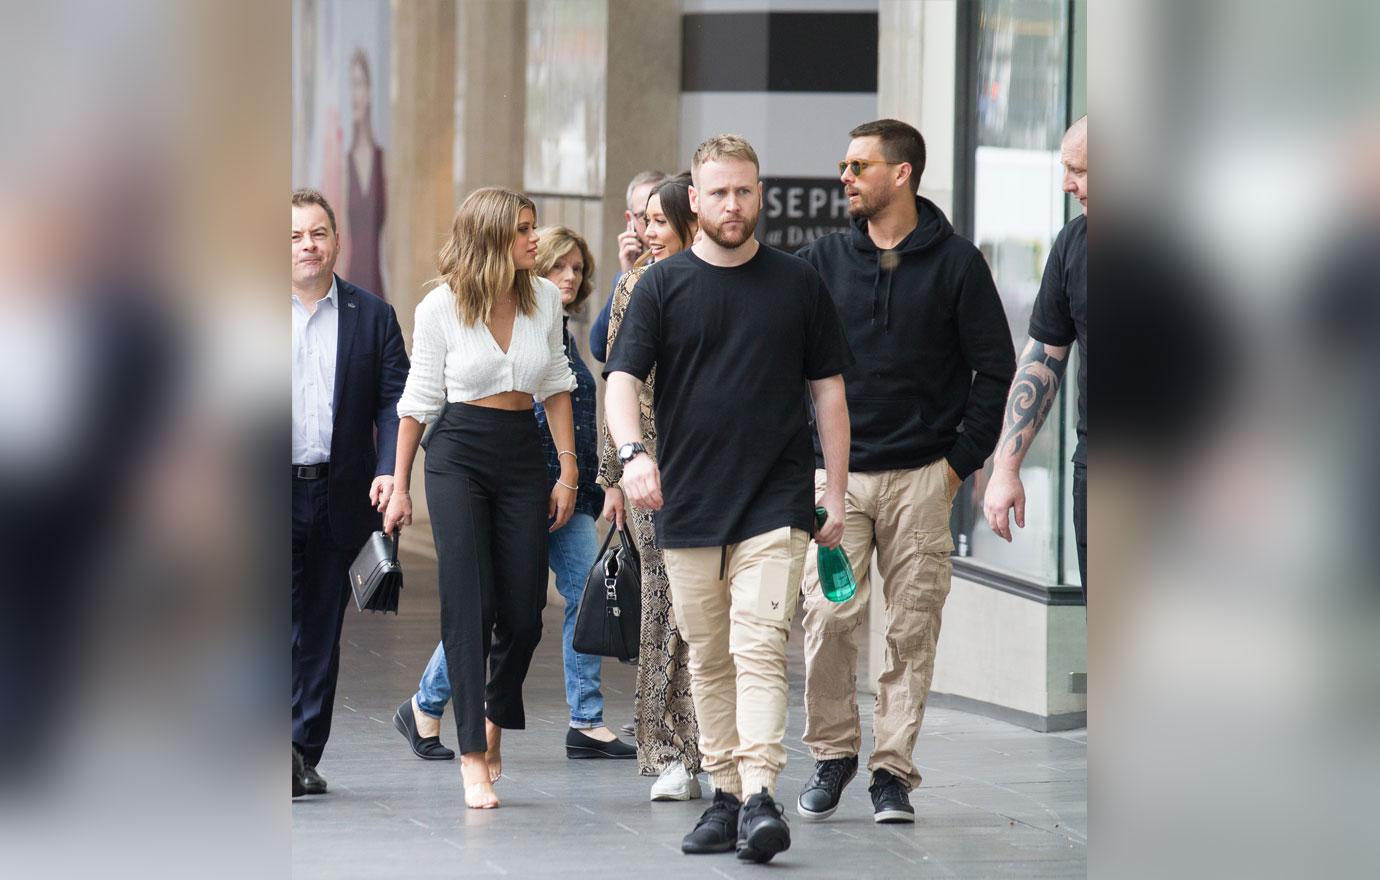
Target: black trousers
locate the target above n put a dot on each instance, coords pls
(487, 492)
(320, 592)
(1080, 522)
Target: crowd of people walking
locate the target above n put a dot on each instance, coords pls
(869, 375)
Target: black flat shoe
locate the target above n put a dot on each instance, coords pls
(312, 783)
(577, 745)
(298, 789)
(428, 748)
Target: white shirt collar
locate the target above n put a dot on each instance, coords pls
(333, 294)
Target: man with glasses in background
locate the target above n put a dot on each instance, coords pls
(631, 247)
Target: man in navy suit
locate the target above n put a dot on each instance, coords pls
(349, 366)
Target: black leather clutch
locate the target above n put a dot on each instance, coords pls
(609, 622)
(376, 576)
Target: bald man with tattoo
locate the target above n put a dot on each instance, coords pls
(1060, 318)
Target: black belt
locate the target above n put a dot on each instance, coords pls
(310, 471)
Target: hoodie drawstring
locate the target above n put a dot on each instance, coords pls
(886, 296)
(881, 297)
(876, 287)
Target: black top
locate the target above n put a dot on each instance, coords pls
(1061, 311)
(734, 349)
(935, 358)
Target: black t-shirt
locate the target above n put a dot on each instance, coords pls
(733, 350)
(1061, 311)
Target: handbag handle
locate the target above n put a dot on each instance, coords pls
(397, 533)
(629, 546)
(607, 540)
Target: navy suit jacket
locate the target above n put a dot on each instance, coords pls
(370, 370)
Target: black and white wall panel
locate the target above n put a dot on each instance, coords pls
(791, 76)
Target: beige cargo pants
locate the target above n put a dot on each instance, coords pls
(904, 516)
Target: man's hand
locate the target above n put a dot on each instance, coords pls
(613, 510)
(380, 492)
(629, 248)
(399, 512)
(642, 482)
(831, 533)
(1004, 491)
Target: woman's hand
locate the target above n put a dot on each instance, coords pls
(399, 512)
(613, 506)
(562, 504)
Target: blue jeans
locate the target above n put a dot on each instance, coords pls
(572, 550)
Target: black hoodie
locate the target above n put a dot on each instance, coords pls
(934, 353)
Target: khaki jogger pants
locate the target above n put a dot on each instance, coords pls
(904, 516)
(736, 626)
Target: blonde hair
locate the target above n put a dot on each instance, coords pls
(477, 260)
(724, 146)
(554, 243)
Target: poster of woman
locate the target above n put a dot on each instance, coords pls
(341, 115)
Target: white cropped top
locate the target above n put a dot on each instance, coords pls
(457, 363)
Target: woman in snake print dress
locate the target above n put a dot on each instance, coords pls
(667, 732)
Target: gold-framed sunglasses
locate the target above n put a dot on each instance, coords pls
(858, 166)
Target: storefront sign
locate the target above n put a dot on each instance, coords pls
(797, 210)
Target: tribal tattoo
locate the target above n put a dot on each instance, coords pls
(1032, 394)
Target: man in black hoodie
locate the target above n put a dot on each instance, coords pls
(925, 398)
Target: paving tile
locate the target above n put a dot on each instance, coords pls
(997, 800)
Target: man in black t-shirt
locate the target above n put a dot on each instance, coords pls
(742, 336)
(1059, 318)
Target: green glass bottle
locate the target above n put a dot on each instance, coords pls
(835, 573)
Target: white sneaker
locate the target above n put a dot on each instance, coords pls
(676, 784)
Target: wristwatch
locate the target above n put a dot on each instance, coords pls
(628, 451)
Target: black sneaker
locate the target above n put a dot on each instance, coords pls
(762, 829)
(716, 830)
(821, 796)
(890, 799)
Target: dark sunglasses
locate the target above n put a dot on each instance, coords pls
(858, 166)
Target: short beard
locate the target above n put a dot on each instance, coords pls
(867, 209)
(716, 235)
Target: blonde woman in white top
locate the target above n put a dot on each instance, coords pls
(487, 342)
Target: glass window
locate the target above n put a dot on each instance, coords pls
(1018, 209)
(567, 43)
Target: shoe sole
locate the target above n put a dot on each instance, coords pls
(706, 850)
(764, 843)
(575, 752)
(401, 727)
(810, 816)
(690, 794)
(893, 817)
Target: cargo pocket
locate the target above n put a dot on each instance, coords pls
(916, 599)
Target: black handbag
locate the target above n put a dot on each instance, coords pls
(376, 575)
(609, 622)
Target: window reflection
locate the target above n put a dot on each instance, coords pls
(566, 72)
(1018, 209)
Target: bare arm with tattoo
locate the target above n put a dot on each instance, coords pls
(1038, 374)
